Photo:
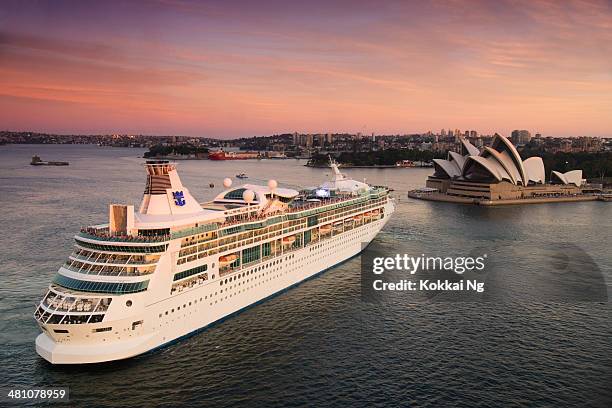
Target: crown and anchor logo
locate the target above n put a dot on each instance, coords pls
(179, 198)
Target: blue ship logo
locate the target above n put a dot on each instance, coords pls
(179, 198)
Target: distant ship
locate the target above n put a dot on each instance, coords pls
(277, 155)
(223, 155)
(36, 161)
(152, 276)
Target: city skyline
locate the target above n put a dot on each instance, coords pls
(244, 69)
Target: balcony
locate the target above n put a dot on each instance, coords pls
(102, 234)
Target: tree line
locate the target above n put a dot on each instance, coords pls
(386, 157)
(160, 150)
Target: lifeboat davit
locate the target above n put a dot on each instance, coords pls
(289, 240)
(227, 259)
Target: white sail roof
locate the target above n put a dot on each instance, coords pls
(534, 168)
(571, 177)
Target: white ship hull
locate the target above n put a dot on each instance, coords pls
(170, 318)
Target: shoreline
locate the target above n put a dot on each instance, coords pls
(440, 197)
(378, 166)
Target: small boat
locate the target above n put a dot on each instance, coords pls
(375, 212)
(36, 161)
(289, 240)
(325, 228)
(358, 217)
(227, 259)
(241, 176)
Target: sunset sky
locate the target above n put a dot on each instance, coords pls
(243, 68)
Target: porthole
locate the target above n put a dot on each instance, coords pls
(128, 303)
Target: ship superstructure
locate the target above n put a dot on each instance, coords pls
(152, 276)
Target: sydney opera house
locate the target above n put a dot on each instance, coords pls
(499, 173)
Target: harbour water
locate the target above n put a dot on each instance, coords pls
(541, 336)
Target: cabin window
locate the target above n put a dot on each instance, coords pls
(102, 329)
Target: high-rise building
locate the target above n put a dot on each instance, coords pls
(473, 133)
(520, 137)
(443, 132)
(309, 140)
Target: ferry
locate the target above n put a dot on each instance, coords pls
(37, 161)
(151, 277)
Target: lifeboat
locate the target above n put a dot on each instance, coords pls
(227, 259)
(289, 240)
(325, 228)
(337, 224)
(358, 217)
(375, 212)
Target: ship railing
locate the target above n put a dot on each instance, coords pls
(102, 234)
(58, 309)
(106, 270)
(124, 260)
(195, 230)
(264, 219)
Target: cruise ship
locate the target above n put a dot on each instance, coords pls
(150, 277)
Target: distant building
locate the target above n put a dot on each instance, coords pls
(309, 140)
(520, 137)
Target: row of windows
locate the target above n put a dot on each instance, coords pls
(190, 272)
(228, 280)
(273, 266)
(254, 270)
(60, 318)
(123, 248)
(251, 254)
(191, 252)
(100, 287)
(297, 219)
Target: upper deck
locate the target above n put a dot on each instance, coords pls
(236, 218)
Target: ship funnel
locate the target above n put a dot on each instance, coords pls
(164, 193)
